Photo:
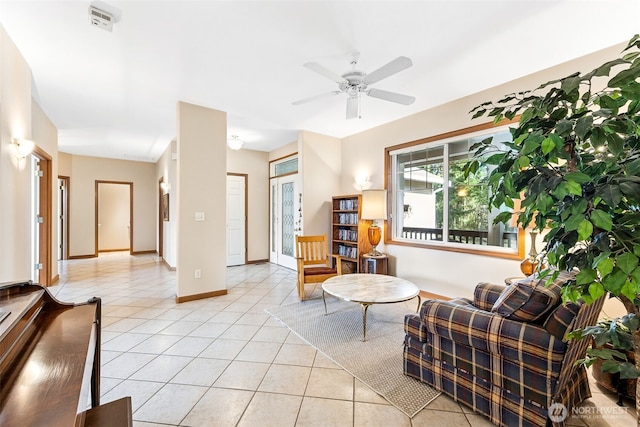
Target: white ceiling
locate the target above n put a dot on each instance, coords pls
(114, 94)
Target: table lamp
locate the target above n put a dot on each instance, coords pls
(374, 208)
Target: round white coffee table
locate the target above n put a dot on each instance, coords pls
(369, 289)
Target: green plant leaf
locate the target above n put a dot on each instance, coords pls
(596, 290)
(570, 84)
(605, 267)
(633, 168)
(627, 262)
(548, 146)
(564, 127)
(628, 290)
(631, 190)
(605, 68)
(611, 194)
(580, 177)
(523, 162)
(628, 371)
(601, 219)
(614, 281)
(560, 191)
(585, 276)
(579, 207)
(630, 321)
(574, 188)
(573, 222)
(583, 126)
(531, 144)
(585, 228)
(624, 77)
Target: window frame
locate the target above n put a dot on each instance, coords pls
(434, 141)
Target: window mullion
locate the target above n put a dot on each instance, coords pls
(445, 195)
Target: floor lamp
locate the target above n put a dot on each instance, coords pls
(374, 208)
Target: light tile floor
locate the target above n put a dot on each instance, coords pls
(224, 361)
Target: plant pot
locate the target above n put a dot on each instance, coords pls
(612, 382)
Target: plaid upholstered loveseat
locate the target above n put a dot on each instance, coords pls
(503, 353)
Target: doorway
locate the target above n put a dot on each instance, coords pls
(161, 189)
(42, 213)
(114, 216)
(285, 219)
(236, 219)
(63, 217)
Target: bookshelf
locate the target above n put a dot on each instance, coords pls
(348, 232)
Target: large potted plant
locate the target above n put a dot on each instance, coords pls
(575, 163)
(611, 355)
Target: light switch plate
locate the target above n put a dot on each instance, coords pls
(199, 216)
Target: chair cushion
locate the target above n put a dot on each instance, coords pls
(315, 271)
(486, 294)
(559, 320)
(530, 299)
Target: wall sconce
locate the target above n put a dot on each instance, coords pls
(362, 182)
(22, 147)
(234, 142)
(374, 207)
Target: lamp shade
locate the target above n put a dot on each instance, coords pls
(374, 204)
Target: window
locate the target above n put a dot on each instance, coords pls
(432, 203)
(284, 166)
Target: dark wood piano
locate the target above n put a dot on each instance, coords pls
(50, 362)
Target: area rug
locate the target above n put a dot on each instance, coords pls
(377, 362)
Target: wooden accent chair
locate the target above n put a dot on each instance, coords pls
(314, 263)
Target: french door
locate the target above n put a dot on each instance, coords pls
(285, 219)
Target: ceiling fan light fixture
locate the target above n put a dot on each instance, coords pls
(354, 83)
(234, 142)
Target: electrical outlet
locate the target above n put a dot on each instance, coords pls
(198, 274)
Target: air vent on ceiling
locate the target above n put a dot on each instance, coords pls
(100, 18)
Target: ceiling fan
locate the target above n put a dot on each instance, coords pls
(354, 83)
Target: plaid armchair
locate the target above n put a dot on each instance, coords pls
(503, 353)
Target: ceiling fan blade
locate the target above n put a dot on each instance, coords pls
(313, 98)
(352, 107)
(395, 66)
(391, 96)
(314, 66)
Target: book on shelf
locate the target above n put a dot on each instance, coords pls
(348, 251)
(349, 204)
(348, 218)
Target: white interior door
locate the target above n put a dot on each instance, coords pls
(285, 220)
(114, 220)
(236, 220)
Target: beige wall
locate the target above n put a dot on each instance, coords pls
(255, 164)
(20, 117)
(202, 187)
(15, 121)
(83, 173)
(320, 163)
(446, 273)
(284, 151)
